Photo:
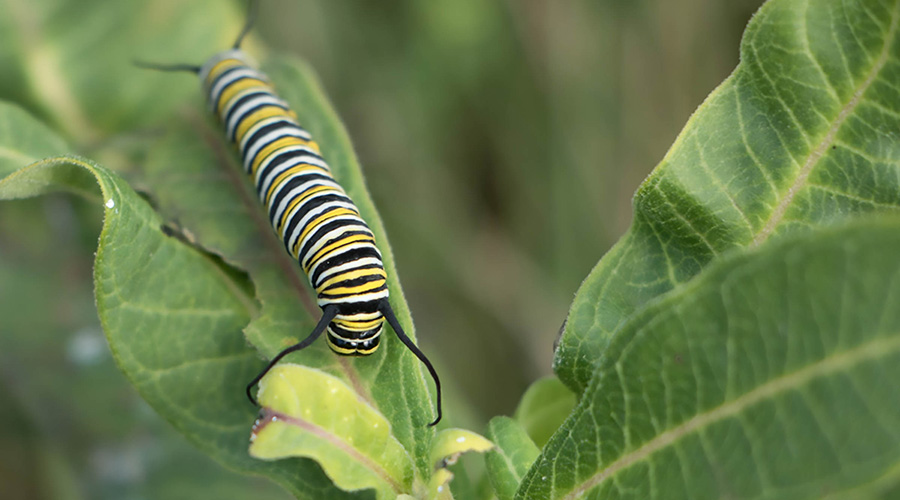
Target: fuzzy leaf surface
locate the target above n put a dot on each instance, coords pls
(310, 413)
(195, 181)
(772, 375)
(173, 318)
(512, 457)
(803, 133)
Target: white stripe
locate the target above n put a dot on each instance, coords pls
(268, 121)
(220, 85)
(304, 259)
(347, 266)
(240, 95)
(309, 216)
(360, 316)
(293, 162)
(300, 244)
(331, 235)
(267, 139)
(366, 297)
(298, 191)
(238, 115)
(313, 160)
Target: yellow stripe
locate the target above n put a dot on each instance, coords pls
(254, 118)
(350, 275)
(300, 199)
(367, 351)
(295, 170)
(361, 326)
(343, 241)
(274, 146)
(220, 68)
(355, 290)
(339, 350)
(313, 225)
(238, 86)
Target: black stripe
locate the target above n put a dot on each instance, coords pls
(343, 258)
(361, 280)
(348, 270)
(233, 136)
(302, 178)
(305, 207)
(221, 76)
(232, 108)
(344, 334)
(367, 345)
(282, 123)
(320, 232)
(283, 156)
(216, 81)
(327, 296)
(344, 235)
(352, 308)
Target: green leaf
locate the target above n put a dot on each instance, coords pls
(772, 375)
(512, 457)
(803, 133)
(446, 449)
(24, 140)
(543, 408)
(194, 179)
(449, 444)
(309, 413)
(173, 318)
(57, 64)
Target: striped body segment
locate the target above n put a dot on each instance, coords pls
(320, 226)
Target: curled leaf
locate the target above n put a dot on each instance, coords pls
(173, 317)
(513, 455)
(543, 408)
(446, 449)
(309, 413)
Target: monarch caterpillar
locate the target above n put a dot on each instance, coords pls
(319, 224)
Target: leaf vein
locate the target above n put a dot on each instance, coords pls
(836, 362)
(813, 158)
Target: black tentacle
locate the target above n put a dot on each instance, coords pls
(328, 314)
(388, 312)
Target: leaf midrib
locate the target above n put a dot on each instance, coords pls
(813, 159)
(338, 443)
(843, 361)
(290, 269)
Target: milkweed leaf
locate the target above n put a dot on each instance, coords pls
(173, 320)
(803, 133)
(307, 412)
(195, 181)
(512, 457)
(543, 408)
(772, 375)
(448, 446)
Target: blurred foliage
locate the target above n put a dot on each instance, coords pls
(501, 143)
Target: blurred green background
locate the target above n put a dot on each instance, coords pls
(501, 142)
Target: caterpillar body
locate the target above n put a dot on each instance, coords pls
(320, 226)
